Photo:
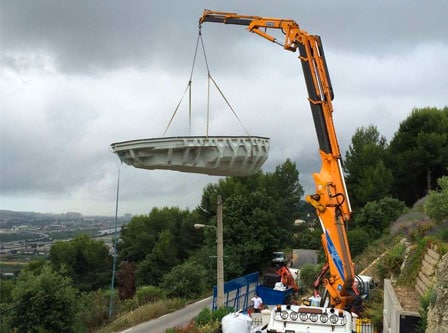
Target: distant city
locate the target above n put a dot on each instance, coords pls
(33, 233)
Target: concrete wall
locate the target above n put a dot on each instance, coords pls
(301, 257)
(395, 319)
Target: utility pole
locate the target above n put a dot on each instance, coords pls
(220, 254)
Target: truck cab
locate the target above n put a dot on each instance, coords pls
(278, 259)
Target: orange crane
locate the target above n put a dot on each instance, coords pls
(330, 200)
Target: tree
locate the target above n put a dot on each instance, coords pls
(285, 187)
(157, 242)
(86, 260)
(367, 178)
(308, 237)
(126, 280)
(6, 288)
(436, 204)
(259, 213)
(43, 302)
(308, 273)
(376, 216)
(419, 153)
(186, 280)
(137, 239)
(160, 261)
(358, 239)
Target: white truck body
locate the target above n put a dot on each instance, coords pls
(308, 319)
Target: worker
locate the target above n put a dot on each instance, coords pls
(258, 303)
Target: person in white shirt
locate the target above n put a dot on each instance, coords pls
(258, 302)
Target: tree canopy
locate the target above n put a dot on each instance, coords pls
(157, 242)
(368, 177)
(162, 249)
(258, 217)
(436, 205)
(376, 216)
(86, 260)
(43, 302)
(259, 213)
(419, 153)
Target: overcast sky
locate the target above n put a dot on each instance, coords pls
(77, 76)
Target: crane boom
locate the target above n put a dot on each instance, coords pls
(330, 200)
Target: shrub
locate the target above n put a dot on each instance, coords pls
(186, 280)
(207, 316)
(376, 216)
(308, 274)
(358, 240)
(44, 301)
(428, 299)
(147, 294)
(436, 205)
(414, 260)
(204, 317)
(443, 235)
(126, 280)
(220, 312)
(374, 307)
(381, 271)
(94, 308)
(189, 328)
(393, 260)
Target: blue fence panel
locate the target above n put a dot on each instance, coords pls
(237, 291)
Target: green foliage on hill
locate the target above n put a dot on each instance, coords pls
(418, 153)
(407, 168)
(87, 261)
(436, 205)
(165, 255)
(376, 216)
(368, 178)
(42, 301)
(186, 280)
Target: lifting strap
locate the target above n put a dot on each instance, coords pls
(188, 88)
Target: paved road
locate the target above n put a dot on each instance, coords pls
(178, 318)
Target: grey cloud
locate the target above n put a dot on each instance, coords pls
(79, 75)
(93, 36)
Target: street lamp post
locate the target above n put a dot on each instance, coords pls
(220, 252)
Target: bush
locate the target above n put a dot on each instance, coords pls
(207, 316)
(358, 240)
(393, 260)
(44, 301)
(376, 216)
(94, 308)
(186, 281)
(412, 267)
(436, 205)
(443, 235)
(204, 317)
(308, 274)
(147, 294)
(427, 300)
(374, 307)
(126, 280)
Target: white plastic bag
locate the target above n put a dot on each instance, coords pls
(236, 322)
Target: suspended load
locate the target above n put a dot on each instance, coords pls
(212, 155)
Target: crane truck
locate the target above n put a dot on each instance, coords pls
(342, 300)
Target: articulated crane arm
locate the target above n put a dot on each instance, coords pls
(331, 199)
